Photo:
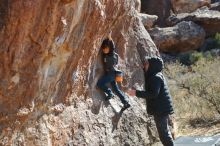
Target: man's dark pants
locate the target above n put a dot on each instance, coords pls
(163, 129)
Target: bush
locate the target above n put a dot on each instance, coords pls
(217, 39)
(195, 89)
(194, 57)
(190, 58)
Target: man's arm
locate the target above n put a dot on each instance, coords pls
(154, 89)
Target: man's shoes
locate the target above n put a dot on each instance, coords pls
(126, 105)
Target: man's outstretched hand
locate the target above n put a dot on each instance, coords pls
(131, 92)
(110, 35)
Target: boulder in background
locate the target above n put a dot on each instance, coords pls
(182, 37)
(161, 8)
(187, 6)
(148, 20)
(208, 19)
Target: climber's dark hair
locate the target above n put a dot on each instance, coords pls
(108, 42)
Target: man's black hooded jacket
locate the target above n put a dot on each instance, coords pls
(156, 92)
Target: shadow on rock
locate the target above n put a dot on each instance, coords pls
(97, 103)
(116, 118)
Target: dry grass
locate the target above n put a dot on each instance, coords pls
(196, 95)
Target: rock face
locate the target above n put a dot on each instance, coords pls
(208, 19)
(49, 66)
(187, 6)
(148, 20)
(183, 37)
(214, 1)
(161, 8)
(138, 5)
(215, 6)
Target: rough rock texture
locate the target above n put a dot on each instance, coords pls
(49, 66)
(138, 5)
(187, 6)
(208, 19)
(183, 37)
(215, 6)
(161, 8)
(214, 1)
(148, 20)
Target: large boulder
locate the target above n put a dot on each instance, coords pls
(148, 20)
(208, 19)
(187, 6)
(49, 67)
(183, 37)
(161, 8)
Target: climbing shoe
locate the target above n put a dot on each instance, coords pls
(126, 105)
(109, 97)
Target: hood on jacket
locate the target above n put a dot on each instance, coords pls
(155, 65)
